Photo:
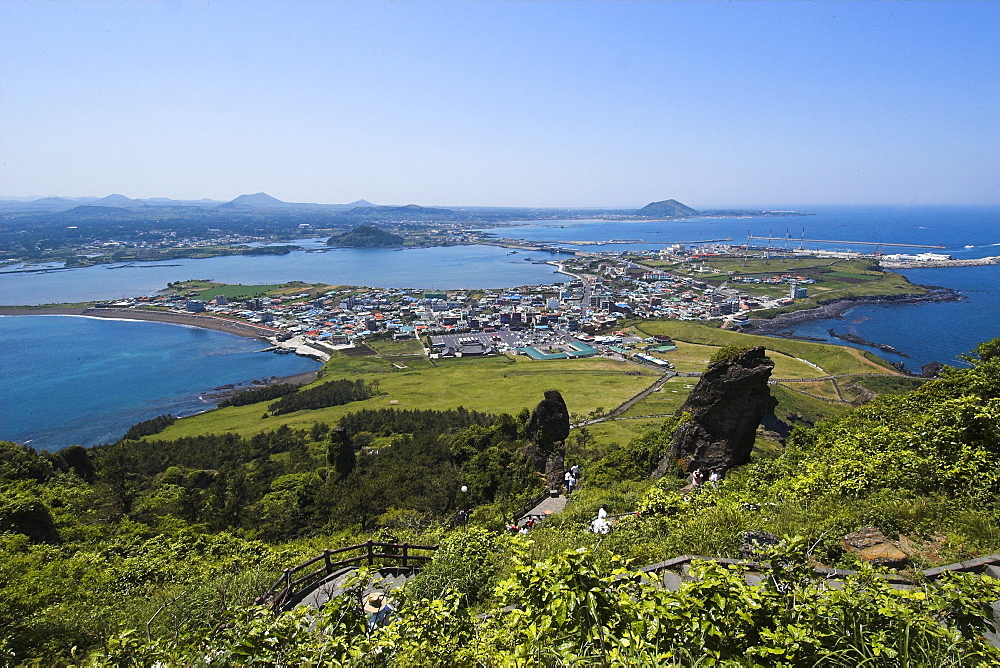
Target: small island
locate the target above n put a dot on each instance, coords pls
(366, 236)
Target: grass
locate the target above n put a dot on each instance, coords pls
(834, 278)
(209, 289)
(608, 434)
(664, 401)
(406, 347)
(796, 407)
(831, 359)
(497, 385)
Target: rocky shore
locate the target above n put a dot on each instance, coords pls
(778, 325)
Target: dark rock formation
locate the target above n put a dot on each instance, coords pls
(726, 407)
(871, 545)
(931, 369)
(547, 428)
(549, 422)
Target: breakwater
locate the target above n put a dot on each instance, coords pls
(836, 307)
(937, 264)
(857, 340)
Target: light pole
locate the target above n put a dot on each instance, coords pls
(462, 517)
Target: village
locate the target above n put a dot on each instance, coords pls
(558, 320)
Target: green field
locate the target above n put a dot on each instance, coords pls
(494, 384)
(834, 277)
(207, 290)
(830, 359)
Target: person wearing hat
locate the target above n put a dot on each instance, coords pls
(378, 609)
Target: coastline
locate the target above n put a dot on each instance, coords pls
(835, 308)
(246, 330)
(217, 323)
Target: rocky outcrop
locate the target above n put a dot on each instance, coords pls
(547, 429)
(725, 408)
(549, 422)
(871, 545)
(932, 370)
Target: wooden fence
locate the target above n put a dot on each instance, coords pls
(293, 585)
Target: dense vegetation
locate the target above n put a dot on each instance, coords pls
(325, 395)
(366, 236)
(153, 551)
(255, 395)
(149, 427)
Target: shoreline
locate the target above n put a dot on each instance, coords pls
(244, 329)
(778, 325)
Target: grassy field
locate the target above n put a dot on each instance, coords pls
(500, 384)
(407, 379)
(664, 401)
(207, 290)
(830, 359)
(607, 436)
(834, 277)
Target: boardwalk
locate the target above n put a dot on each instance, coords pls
(550, 505)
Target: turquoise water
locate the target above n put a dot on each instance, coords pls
(68, 380)
(449, 267)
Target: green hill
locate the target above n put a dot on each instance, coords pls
(152, 552)
(366, 236)
(668, 208)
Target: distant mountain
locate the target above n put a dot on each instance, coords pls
(408, 212)
(255, 201)
(366, 236)
(668, 208)
(91, 212)
(115, 200)
(360, 203)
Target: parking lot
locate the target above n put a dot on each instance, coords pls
(505, 340)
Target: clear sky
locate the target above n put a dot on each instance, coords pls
(504, 103)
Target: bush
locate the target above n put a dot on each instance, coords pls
(467, 561)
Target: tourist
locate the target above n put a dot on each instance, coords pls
(575, 470)
(570, 481)
(378, 609)
(600, 524)
(713, 478)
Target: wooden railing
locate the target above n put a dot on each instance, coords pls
(291, 587)
(528, 505)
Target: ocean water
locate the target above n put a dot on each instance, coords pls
(925, 332)
(68, 380)
(928, 332)
(953, 226)
(450, 267)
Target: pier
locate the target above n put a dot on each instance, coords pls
(930, 264)
(851, 243)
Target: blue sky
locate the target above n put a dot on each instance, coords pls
(504, 103)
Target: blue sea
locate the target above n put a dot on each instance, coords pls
(68, 380)
(450, 267)
(925, 332)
